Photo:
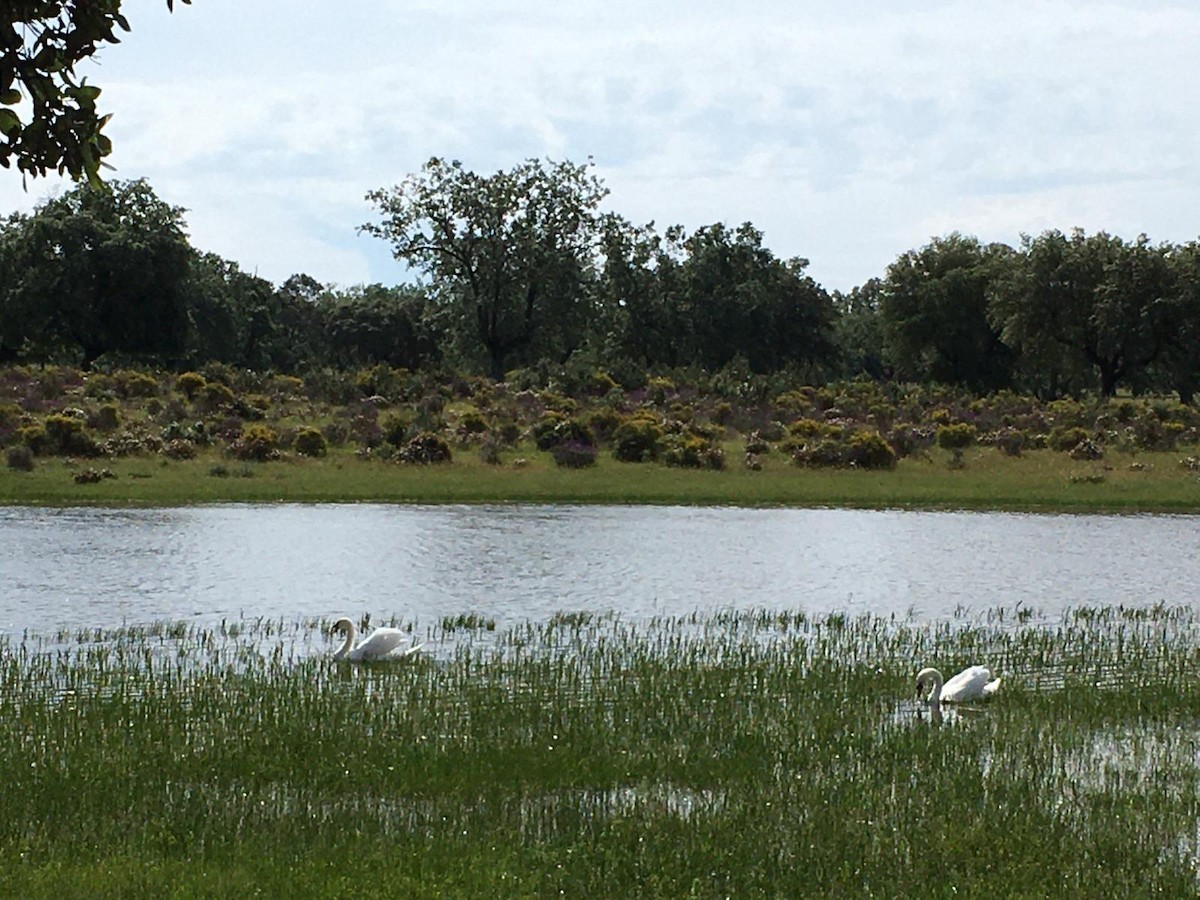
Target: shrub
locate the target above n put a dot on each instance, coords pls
(561, 431)
(1065, 437)
(691, 451)
(489, 450)
(65, 435)
(471, 423)
(809, 428)
(756, 444)
(10, 421)
(34, 437)
(860, 449)
(424, 449)
(135, 384)
(106, 418)
(543, 430)
(1010, 441)
(397, 425)
(955, 437)
(1086, 449)
(908, 439)
(258, 443)
(602, 422)
(20, 458)
(190, 384)
(214, 395)
(869, 450)
(637, 439)
(336, 433)
(310, 442)
(179, 448)
(573, 454)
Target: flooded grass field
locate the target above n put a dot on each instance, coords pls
(717, 754)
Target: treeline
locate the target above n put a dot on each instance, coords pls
(521, 269)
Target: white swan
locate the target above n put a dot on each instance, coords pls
(972, 683)
(380, 644)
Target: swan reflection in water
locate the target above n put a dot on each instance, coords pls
(382, 643)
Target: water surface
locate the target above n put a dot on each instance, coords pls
(87, 568)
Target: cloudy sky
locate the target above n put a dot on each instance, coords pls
(848, 133)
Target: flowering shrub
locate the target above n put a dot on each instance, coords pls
(955, 437)
(310, 442)
(258, 443)
(691, 451)
(637, 439)
(424, 449)
(858, 449)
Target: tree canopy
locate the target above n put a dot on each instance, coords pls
(95, 271)
(507, 252)
(48, 115)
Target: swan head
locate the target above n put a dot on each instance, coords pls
(928, 681)
(343, 624)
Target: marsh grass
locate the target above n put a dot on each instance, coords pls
(734, 753)
(988, 479)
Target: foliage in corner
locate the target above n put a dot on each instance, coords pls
(40, 45)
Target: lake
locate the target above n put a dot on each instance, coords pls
(90, 568)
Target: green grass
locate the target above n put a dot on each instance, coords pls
(1041, 481)
(760, 753)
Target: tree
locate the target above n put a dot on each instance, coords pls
(370, 324)
(96, 271)
(41, 42)
(508, 254)
(1097, 298)
(1181, 348)
(859, 331)
(934, 311)
(637, 287)
(740, 300)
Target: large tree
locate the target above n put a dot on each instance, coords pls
(48, 115)
(1097, 298)
(740, 300)
(509, 254)
(95, 271)
(934, 311)
(1180, 360)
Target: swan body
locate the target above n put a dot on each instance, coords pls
(973, 683)
(382, 643)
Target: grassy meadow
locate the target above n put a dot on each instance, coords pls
(984, 478)
(732, 754)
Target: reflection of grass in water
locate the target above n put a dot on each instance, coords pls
(736, 753)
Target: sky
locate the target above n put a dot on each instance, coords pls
(846, 133)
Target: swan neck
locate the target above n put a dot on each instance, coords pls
(935, 678)
(348, 642)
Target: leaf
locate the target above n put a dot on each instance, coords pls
(11, 97)
(9, 122)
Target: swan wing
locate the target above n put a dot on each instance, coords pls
(380, 643)
(969, 684)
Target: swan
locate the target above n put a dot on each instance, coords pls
(973, 683)
(380, 644)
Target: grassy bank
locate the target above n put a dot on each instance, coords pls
(748, 754)
(988, 479)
